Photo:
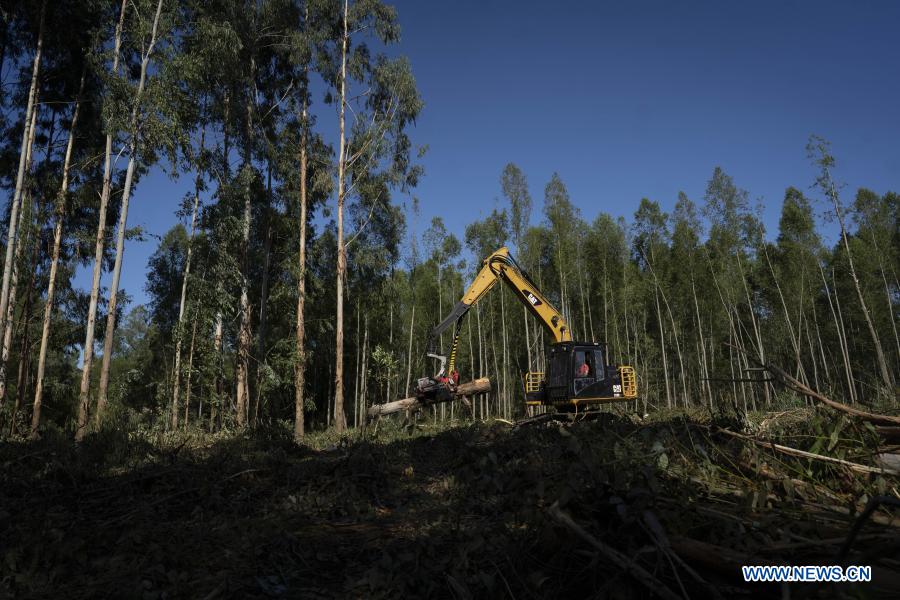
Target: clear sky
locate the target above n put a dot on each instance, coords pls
(629, 99)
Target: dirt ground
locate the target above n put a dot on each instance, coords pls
(606, 508)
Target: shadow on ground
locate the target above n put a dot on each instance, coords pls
(462, 513)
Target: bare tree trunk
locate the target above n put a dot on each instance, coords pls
(505, 363)
(24, 358)
(497, 371)
(887, 292)
(879, 352)
(412, 322)
(123, 224)
(759, 340)
(795, 337)
(361, 405)
(300, 360)
(187, 391)
(840, 315)
(704, 364)
(88, 351)
(481, 353)
(263, 301)
(217, 408)
(358, 360)
(54, 267)
(662, 347)
(19, 243)
(176, 384)
(24, 154)
(242, 371)
(527, 338)
(387, 393)
(842, 342)
(340, 421)
(25, 348)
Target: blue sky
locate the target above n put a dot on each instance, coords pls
(628, 100)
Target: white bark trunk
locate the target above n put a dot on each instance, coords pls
(24, 152)
(340, 420)
(123, 222)
(88, 350)
(54, 267)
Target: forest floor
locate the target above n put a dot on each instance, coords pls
(613, 507)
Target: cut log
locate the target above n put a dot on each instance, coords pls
(463, 391)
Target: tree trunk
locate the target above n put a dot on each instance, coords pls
(472, 388)
(662, 347)
(412, 322)
(123, 224)
(217, 408)
(795, 337)
(176, 384)
(263, 300)
(340, 421)
(24, 153)
(505, 363)
(88, 351)
(756, 330)
(187, 390)
(54, 267)
(841, 333)
(703, 361)
(300, 360)
(879, 352)
(242, 371)
(363, 379)
(19, 243)
(25, 348)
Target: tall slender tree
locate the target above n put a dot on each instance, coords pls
(88, 348)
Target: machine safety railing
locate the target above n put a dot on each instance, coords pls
(629, 381)
(533, 381)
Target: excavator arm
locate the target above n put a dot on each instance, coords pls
(499, 266)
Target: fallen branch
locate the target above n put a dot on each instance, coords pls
(804, 454)
(801, 388)
(463, 390)
(620, 560)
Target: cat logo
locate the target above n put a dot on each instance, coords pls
(531, 298)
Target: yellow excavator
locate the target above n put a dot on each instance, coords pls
(577, 372)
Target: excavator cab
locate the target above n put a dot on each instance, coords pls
(578, 375)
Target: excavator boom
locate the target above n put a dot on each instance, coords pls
(501, 266)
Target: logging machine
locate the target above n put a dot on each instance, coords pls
(577, 374)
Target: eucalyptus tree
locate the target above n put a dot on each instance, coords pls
(88, 348)
(374, 151)
(651, 240)
(686, 275)
(725, 208)
(561, 215)
(28, 130)
(792, 264)
(482, 239)
(514, 186)
(144, 131)
(819, 152)
(60, 211)
(877, 247)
